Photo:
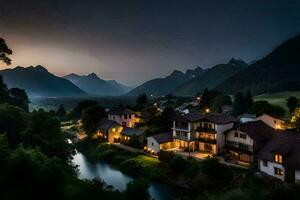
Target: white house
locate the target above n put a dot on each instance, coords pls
(246, 139)
(159, 142)
(272, 121)
(280, 158)
(123, 116)
(203, 132)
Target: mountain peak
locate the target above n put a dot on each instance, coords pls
(93, 75)
(177, 73)
(239, 62)
(40, 68)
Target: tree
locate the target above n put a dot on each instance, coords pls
(295, 120)
(61, 112)
(4, 92)
(227, 100)
(19, 98)
(260, 107)
(248, 101)
(292, 103)
(90, 118)
(239, 104)
(13, 121)
(204, 102)
(5, 52)
(77, 111)
(137, 189)
(141, 101)
(44, 132)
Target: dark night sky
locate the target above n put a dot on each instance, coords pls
(134, 41)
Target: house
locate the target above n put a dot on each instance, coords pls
(246, 117)
(203, 132)
(184, 130)
(244, 140)
(123, 116)
(280, 158)
(210, 133)
(108, 130)
(159, 142)
(272, 121)
(129, 135)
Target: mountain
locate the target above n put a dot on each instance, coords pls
(163, 86)
(94, 85)
(37, 81)
(278, 71)
(210, 78)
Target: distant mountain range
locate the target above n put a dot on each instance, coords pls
(279, 71)
(166, 85)
(37, 81)
(94, 85)
(210, 78)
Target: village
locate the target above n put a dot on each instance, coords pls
(264, 144)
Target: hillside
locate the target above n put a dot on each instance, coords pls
(210, 78)
(94, 85)
(37, 81)
(278, 71)
(163, 86)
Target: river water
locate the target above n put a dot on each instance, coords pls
(117, 179)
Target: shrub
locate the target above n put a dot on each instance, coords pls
(132, 167)
(177, 164)
(165, 156)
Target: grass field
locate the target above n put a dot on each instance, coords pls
(278, 98)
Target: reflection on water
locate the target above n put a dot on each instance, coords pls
(116, 178)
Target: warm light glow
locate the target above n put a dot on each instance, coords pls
(198, 98)
(278, 158)
(207, 110)
(113, 129)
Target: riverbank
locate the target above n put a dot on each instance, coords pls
(207, 179)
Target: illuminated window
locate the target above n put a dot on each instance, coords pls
(278, 158)
(113, 129)
(278, 171)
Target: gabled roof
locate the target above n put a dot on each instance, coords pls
(190, 117)
(163, 138)
(256, 130)
(132, 131)
(106, 124)
(218, 118)
(288, 145)
(120, 111)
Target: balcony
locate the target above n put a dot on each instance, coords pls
(184, 128)
(206, 130)
(207, 140)
(236, 146)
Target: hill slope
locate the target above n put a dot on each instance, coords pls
(210, 78)
(94, 85)
(278, 71)
(163, 86)
(37, 81)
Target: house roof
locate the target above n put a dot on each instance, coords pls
(132, 131)
(288, 145)
(256, 130)
(218, 118)
(163, 138)
(106, 124)
(120, 111)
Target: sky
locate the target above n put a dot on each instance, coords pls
(133, 41)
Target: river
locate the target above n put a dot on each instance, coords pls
(117, 179)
